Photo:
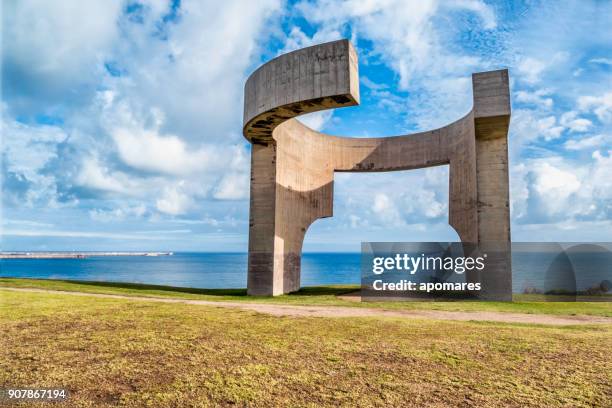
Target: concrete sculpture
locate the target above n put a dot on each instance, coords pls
(292, 166)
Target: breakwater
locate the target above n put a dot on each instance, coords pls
(74, 255)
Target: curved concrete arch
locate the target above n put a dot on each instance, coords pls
(307, 80)
(293, 166)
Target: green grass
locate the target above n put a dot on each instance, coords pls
(117, 352)
(325, 295)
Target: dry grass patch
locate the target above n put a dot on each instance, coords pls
(113, 352)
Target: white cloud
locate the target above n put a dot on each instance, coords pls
(601, 180)
(317, 120)
(30, 148)
(27, 223)
(144, 147)
(118, 214)
(601, 106)
(27, 151)
(147, 150)
(479, 8)
(538, 98)
(531, 69)
(602, 61)
(174, 201)
(552, 181)
(386, 210)
(206, 220)
(411, 42)
(394, 199)
(95, 175)
(389, 101)
(55, 46)
(297, 39)
(357, 221)
(163, 113)
(233, 186)
(81, 234)
(571, 121)
(529, 125)
(371, 84)
(555, 190)
(196, 76)
(591, 142)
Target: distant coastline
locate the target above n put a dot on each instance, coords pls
(72, 255)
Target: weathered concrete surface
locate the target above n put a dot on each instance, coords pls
(307, 80)
(292, 166)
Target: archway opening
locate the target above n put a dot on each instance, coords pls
(398, 206)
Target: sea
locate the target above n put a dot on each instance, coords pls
(229, 270)
(188, 269)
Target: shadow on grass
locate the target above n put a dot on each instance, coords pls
(162, 288)
(331, 290)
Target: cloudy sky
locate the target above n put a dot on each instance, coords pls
(121, 120)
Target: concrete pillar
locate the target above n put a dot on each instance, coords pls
(492, 119)
(261, 277)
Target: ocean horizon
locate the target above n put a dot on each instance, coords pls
(228, 270)
(210, 270)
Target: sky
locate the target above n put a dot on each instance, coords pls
(121, 120)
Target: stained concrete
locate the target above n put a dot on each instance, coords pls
(292, 166)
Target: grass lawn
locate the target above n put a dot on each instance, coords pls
(327, 295)
(116, 352)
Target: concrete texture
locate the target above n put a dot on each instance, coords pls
(292, 166)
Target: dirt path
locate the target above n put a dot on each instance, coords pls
(343, 311)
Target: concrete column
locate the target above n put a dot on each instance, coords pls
(261, 278)
(491, 119)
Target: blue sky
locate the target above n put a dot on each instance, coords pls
(121, 121)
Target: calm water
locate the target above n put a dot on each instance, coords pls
(222, 270)
(199, 270)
